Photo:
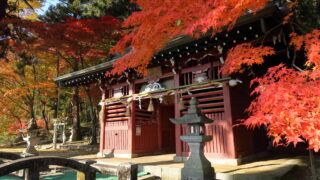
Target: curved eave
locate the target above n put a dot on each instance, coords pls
(83, 72)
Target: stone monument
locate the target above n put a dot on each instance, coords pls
(197, 167)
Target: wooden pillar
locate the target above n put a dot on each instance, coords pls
(131, 122)
(32, 173)
(102, 121)
(159, 118)
(228, 128)
(90, 175)
(177, 114)
(75, 115)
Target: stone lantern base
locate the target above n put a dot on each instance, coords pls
(31, 140)
(197, 167)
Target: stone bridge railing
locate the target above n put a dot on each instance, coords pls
(34, 165)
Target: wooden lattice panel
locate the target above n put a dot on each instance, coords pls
(142, 114)
(116, 112)
(211, 104)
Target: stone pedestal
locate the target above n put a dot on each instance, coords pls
(197, 166)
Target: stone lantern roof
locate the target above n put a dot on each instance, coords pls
(194, 115)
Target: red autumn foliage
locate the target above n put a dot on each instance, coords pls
(311, 43)
(289, 105)
(16, 126)
(287, 101)
(245, 55)
(78, 38)
(150, 29)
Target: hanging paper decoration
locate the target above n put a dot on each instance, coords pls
(127, 104)
(221, 60)
(140, 106)
(181, 104)
(220, 49)
(151, 107)
(128, 109)
(161, 99)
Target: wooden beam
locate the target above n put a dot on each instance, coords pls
(207, 99)
(115, 106)
(203, 94)
(117, 119)
(116, 110)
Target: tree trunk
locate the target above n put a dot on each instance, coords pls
(75, 115)
(93, 118)
(312, 165)
(3, 8)
(45, 118)
(76, 135)
(33, 114)
(56, 109)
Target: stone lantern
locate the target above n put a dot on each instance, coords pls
(32, 139)
(197, 167)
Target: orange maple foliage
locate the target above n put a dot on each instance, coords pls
(292, 113)
(287, 101)
(21, 87)
(311, 44)
(150, 29)
(245, 55)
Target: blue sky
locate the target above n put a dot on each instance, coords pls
(46, 6)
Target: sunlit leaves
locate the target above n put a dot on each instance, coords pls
(159, 21)
(311, 43)
(21, 86)
(289, 105)
(245, 55)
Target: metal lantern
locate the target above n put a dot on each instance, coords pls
(197, 167)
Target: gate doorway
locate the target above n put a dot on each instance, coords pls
(166, 128)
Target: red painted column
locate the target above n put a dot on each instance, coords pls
(177, 114)
(159, 118)
(131, 122)
(228, 116)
